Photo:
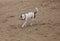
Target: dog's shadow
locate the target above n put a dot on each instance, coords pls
(37, 24)
(34, 25)
(28, 25)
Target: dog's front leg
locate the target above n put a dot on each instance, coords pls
(24, 23)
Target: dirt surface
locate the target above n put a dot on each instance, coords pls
(46, 27)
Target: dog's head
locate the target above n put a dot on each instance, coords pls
(22, 16)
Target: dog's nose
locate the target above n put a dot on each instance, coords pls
(21, 16)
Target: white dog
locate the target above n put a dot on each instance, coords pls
(29, 15)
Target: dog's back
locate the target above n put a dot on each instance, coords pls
(30, 15)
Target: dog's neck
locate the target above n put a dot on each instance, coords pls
(24, 16)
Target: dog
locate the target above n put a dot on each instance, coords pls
(29, 15)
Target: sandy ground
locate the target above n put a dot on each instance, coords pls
(46, 27)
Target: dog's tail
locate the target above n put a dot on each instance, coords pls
(36, 10)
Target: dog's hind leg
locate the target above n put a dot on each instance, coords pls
(32, 22)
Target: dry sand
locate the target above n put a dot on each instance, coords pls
(47, 27)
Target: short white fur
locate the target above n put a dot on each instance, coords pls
(29, 15)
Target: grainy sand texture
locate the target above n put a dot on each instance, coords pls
(46, 27)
